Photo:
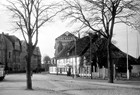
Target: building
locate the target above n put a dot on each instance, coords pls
(62, 41)
(35, 61)
(99, 59)
(13, 52)
(10, 52)
(88, 56)
(52, 66)
(5, 50)
(69, 59)
(23, 56)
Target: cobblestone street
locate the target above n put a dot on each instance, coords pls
(45, 84)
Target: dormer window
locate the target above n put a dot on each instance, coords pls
(67, 33)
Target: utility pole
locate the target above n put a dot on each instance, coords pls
(6, 61)
(75, 59)
(128, 75)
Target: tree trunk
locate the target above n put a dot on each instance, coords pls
(109, 61)
(28, 72)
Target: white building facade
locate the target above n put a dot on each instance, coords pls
(68, 65)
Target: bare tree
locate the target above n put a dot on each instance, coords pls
(100, 16)
(29, 16)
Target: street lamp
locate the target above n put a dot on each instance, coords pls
(137, 44)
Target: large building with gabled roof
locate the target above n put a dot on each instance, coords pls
(88, 56)
(63, 40)
(69, 59)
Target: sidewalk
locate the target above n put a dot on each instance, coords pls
(117, 83)
(132, 83)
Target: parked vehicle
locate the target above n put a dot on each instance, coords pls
(2, 72)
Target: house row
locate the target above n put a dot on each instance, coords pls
(13, 53)
(87, 56)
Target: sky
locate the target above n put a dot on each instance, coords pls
(50, 31)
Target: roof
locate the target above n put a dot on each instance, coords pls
(65, 50)
(75, 47)
(13, 39)
(100, 48)
(84, 42)
(66, 34)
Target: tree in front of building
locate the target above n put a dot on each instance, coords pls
(29, 16)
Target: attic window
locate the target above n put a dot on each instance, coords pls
(67, 33)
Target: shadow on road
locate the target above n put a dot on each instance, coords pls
(14, 80)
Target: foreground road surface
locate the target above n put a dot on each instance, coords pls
(45, 84)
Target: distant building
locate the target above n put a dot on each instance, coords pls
(23, 56)
(52, 66)
(61, 43)
(16, 51)
(35, 61)
(13, 54)
(10, 51)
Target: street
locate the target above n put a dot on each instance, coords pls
(46, 84)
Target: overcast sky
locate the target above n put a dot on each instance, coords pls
(49, 32)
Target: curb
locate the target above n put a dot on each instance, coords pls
(108, 84)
